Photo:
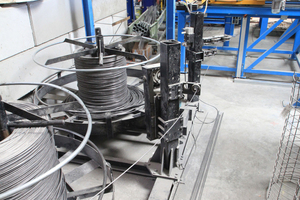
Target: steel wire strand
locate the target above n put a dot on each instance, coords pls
(58, 166)
(26, 154)
(106, 91)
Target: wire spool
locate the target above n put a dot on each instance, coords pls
(106, 91)
(26, 154)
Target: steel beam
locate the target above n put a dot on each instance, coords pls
(281, 41)
(242, 47)
(170, 19)
(88, 19)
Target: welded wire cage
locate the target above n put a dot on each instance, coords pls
(285, 182)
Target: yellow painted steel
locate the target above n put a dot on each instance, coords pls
(237, 2)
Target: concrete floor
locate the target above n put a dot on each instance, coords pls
(248, 141)
(249, 137)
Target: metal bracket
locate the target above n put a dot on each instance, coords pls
(175, 91)
(191, 88)
(175, 132)
(194, 56)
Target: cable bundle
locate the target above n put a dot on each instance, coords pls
(26, 154)
(106, 91)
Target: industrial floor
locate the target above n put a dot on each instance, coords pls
(250, 133)
(245, 152)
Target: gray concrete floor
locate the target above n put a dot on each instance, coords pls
(249, 137)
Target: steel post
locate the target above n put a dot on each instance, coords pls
(88, 18)
(170, 19)
(170, 78)
(242, 47)
(197, 21)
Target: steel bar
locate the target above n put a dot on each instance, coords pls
(70, 56)
(202, 174)
(85, 45)
(22, 113)
(126, 54)
(36, 123)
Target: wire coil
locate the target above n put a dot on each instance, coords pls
(106, 91)
(26, 154)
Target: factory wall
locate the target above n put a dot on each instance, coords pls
(25, 28)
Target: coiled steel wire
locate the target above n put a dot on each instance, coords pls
(106, 91)
(26, 154)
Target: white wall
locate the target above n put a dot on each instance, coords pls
(25, 28)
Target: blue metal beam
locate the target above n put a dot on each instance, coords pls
(88, 18)
(263, 24)
(130, 10)
(282, 40)
(296, 46)
(295, 22)
(259, 11)
(170, 19)
(181, 25)
(263, 36)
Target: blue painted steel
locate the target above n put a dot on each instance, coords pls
(290, 12)
(219, 68)
(296, 45)
(282, 40)
(147, 4)
(170, 19)
(130, 10)
(245, 44)
(271, 72)
(88, 19)
(229, 29)
(248, 50)
(181, 25)
(264, 12)
(263, 24)
(263, 36)
(290, 28)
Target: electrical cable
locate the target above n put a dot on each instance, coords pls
(154, 145)
(26, 154)
(64, 162)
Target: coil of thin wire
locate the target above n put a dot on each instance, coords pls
(26, 154)
(106, 91)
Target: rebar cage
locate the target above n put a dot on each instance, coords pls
(285, 182)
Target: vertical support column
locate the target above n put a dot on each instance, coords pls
(170, 99)
(197, 21)
(88, 18)
(242, 50)
(170, 19)
(263, 24)
(147, 4)
(130, 10)
(181, 25)
(229, 29)
(296, 46)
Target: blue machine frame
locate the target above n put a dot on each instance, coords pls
(246, 13)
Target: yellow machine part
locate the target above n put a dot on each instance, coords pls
(237, 2)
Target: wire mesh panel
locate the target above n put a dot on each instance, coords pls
(285, 182)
